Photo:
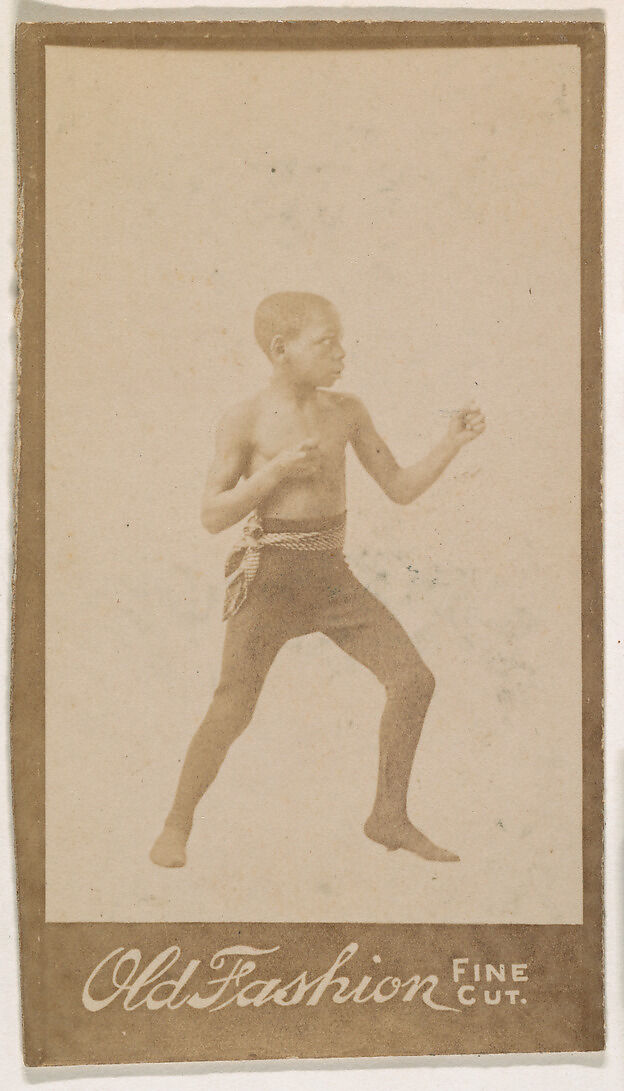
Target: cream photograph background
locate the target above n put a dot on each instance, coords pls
(433, 195)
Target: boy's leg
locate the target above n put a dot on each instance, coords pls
(364, 628)
(252, 640)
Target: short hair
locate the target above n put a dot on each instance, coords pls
(285, 313)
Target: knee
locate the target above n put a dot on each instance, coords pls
(429, 683)
(230, 711)
(414, 682)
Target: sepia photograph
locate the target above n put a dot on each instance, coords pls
(309, 579)
(283, 292)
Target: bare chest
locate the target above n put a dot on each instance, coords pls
(278, 430)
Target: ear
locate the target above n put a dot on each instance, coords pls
(277, 346)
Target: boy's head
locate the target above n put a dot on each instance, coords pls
(300, 333)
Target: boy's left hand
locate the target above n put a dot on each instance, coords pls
(466, 425)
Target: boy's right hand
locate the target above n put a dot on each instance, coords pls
(302, 461)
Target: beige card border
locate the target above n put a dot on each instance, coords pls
(564, 1010)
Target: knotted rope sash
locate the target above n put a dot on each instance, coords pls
(242, 564)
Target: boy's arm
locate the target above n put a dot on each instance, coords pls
(228, 496)
(404, 484)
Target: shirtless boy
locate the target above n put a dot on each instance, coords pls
(280, 458)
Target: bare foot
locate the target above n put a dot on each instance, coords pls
(169, 849)
(402, 835)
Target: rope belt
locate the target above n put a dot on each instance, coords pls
(242, 564)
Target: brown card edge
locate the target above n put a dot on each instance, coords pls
(27, 691)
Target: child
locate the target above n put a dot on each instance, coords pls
(280, 458)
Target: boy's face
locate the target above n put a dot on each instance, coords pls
(314, 357)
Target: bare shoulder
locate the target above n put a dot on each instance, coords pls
(236, 426)
(351, 407)
(238, 419)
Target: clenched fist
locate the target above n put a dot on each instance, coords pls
(302, 461)
(466, 426)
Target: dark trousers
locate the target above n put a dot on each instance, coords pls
(294, 593)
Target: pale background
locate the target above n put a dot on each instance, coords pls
(433, 195)
(568, 1072)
